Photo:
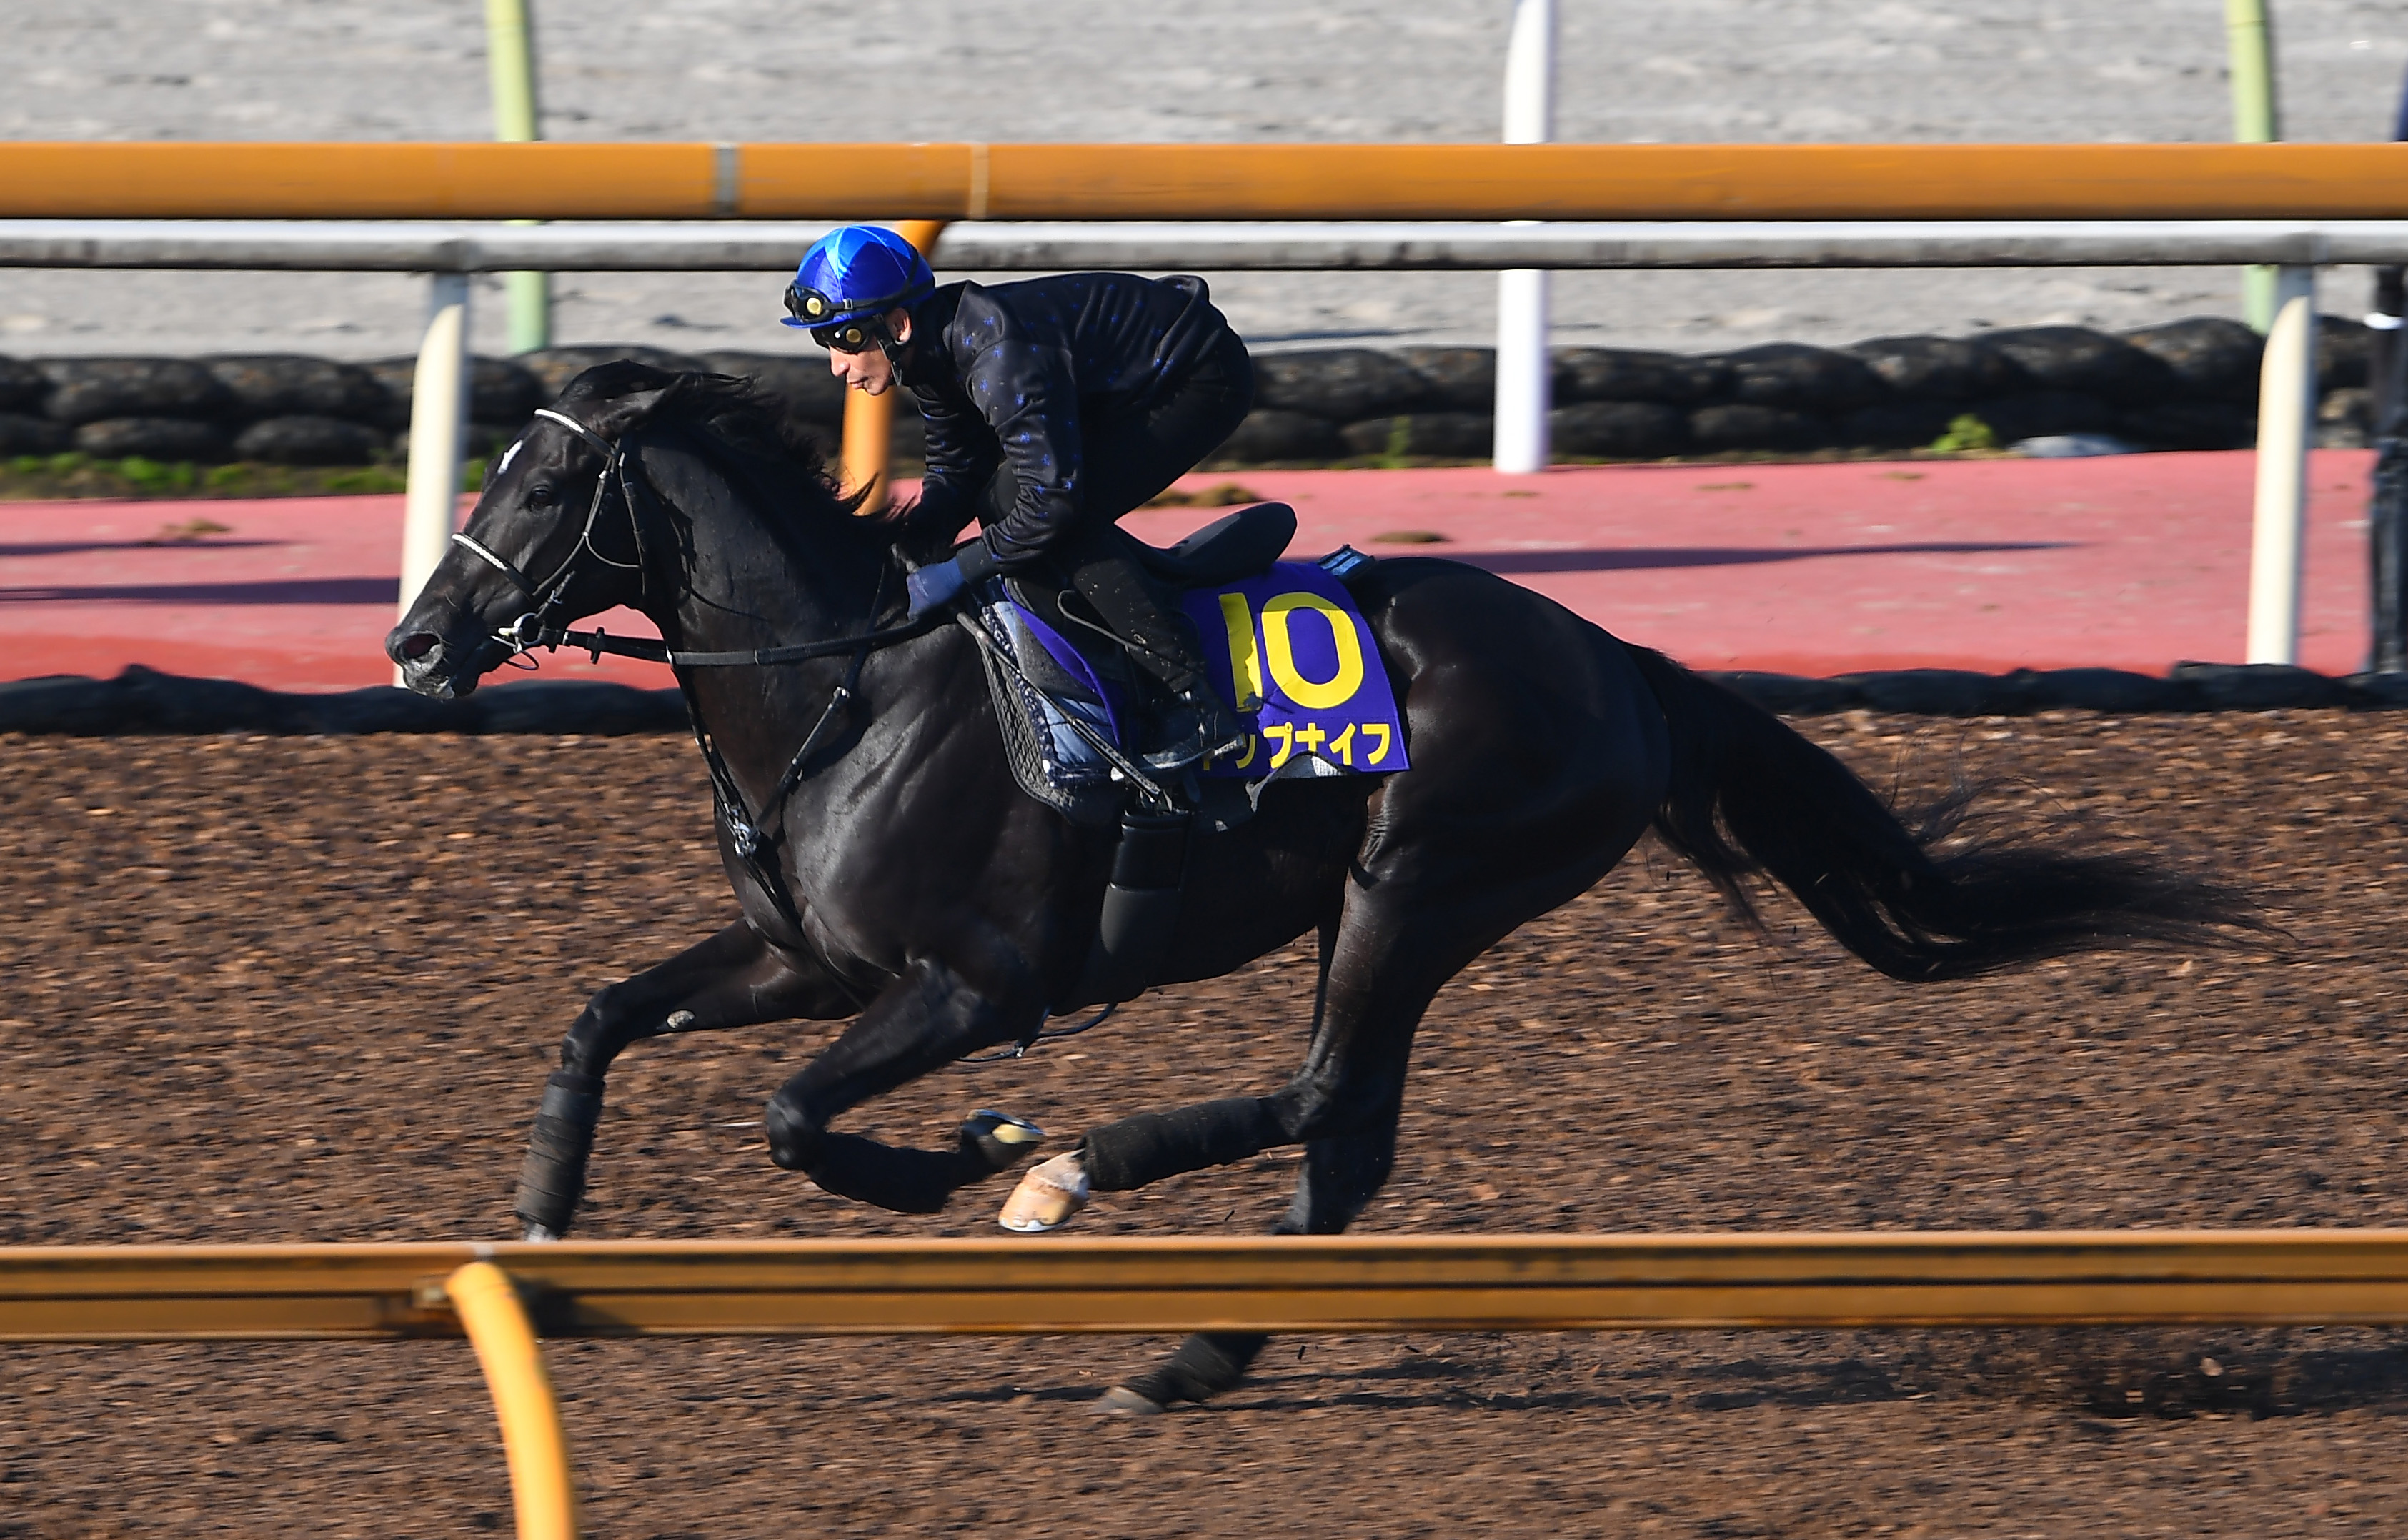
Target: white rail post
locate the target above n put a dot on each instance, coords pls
(438, 423)
(2287, 405)
(1522, 364)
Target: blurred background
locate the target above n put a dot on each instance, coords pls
(1700, 70)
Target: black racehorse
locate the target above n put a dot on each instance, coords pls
(889, 871)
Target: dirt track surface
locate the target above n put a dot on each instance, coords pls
(307, 989)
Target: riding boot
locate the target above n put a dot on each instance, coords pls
(1193, 723)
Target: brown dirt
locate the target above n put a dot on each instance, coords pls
(308, 988)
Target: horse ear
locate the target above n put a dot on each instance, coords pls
(615, 398)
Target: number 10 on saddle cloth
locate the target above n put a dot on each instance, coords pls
(1299, 668)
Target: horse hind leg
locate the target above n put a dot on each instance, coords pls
(1339, 1179)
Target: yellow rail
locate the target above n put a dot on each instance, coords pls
(1144, 182)
(1348, 1284)
(2265, 1277)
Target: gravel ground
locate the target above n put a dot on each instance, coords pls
(1705, 71)
(308, 988)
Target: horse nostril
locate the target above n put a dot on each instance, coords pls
(418, 644)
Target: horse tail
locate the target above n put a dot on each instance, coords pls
(1747, 795)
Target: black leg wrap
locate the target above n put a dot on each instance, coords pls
(1151, 1145)
(1205, 1365)
(904, 1181)
(554, 1177)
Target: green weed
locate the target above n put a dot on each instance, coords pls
(1965, 433)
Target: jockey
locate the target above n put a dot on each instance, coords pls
(1053, 407)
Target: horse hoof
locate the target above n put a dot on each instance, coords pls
(537, 1232)
(1120, 1401)
(998, 1139)
(1047, 1196)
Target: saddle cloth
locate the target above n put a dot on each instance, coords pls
(1287, 649)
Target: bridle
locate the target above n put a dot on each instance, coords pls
(525, 633)
(753, 840)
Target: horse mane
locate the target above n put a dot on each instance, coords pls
(754, 437)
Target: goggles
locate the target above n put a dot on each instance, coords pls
(813, 308)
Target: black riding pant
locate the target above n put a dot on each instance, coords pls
(1130, 457)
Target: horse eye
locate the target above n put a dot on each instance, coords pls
(541, 495)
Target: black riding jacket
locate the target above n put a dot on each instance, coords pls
(1005, 376)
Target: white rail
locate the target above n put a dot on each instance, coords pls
(712, 246)
(2287, 396)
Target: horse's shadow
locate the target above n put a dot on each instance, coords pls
(2105, 1376)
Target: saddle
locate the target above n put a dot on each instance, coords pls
(1064, 688)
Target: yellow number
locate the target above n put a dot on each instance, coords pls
(1381, 728)
(1343, 746)
(1286, 736)
(1245, 664)
(1330, 692)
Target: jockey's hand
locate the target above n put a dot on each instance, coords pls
(932, 586)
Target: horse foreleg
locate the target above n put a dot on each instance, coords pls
(732, 979)
(924, 1020)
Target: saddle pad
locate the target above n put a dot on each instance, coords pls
(1291, 654)
(1052, 759)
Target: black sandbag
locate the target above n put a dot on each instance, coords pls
(1793, 695)
(1458, 379)
(1618, 431)
(2080, 361)
(310, 442)
(2260, 686)
(23, 435)
(266, 386)
(1944, 692)
(499, 391)
(1339, 385)
(582, 706)
(2190, 424)
(1899, 425)
(1270, 433)
(2343, 348)
(153, 439)
(1799, 378)
(1740, 426)
(88, 390)
(2039, 413)
(385, 708)
(1433, 435)
(1922, 369)
(22, 386)
(2209, 356)
(2108, 690)
(1630, 374)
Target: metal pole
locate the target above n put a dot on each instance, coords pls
(2256, 119)
(2287, 401)
(869, 420)
(509, 49)
(542, 1489)
(438, 423)
(1521, 363)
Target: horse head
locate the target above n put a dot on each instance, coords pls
(554, 538)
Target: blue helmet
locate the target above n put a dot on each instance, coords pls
(850, 278)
